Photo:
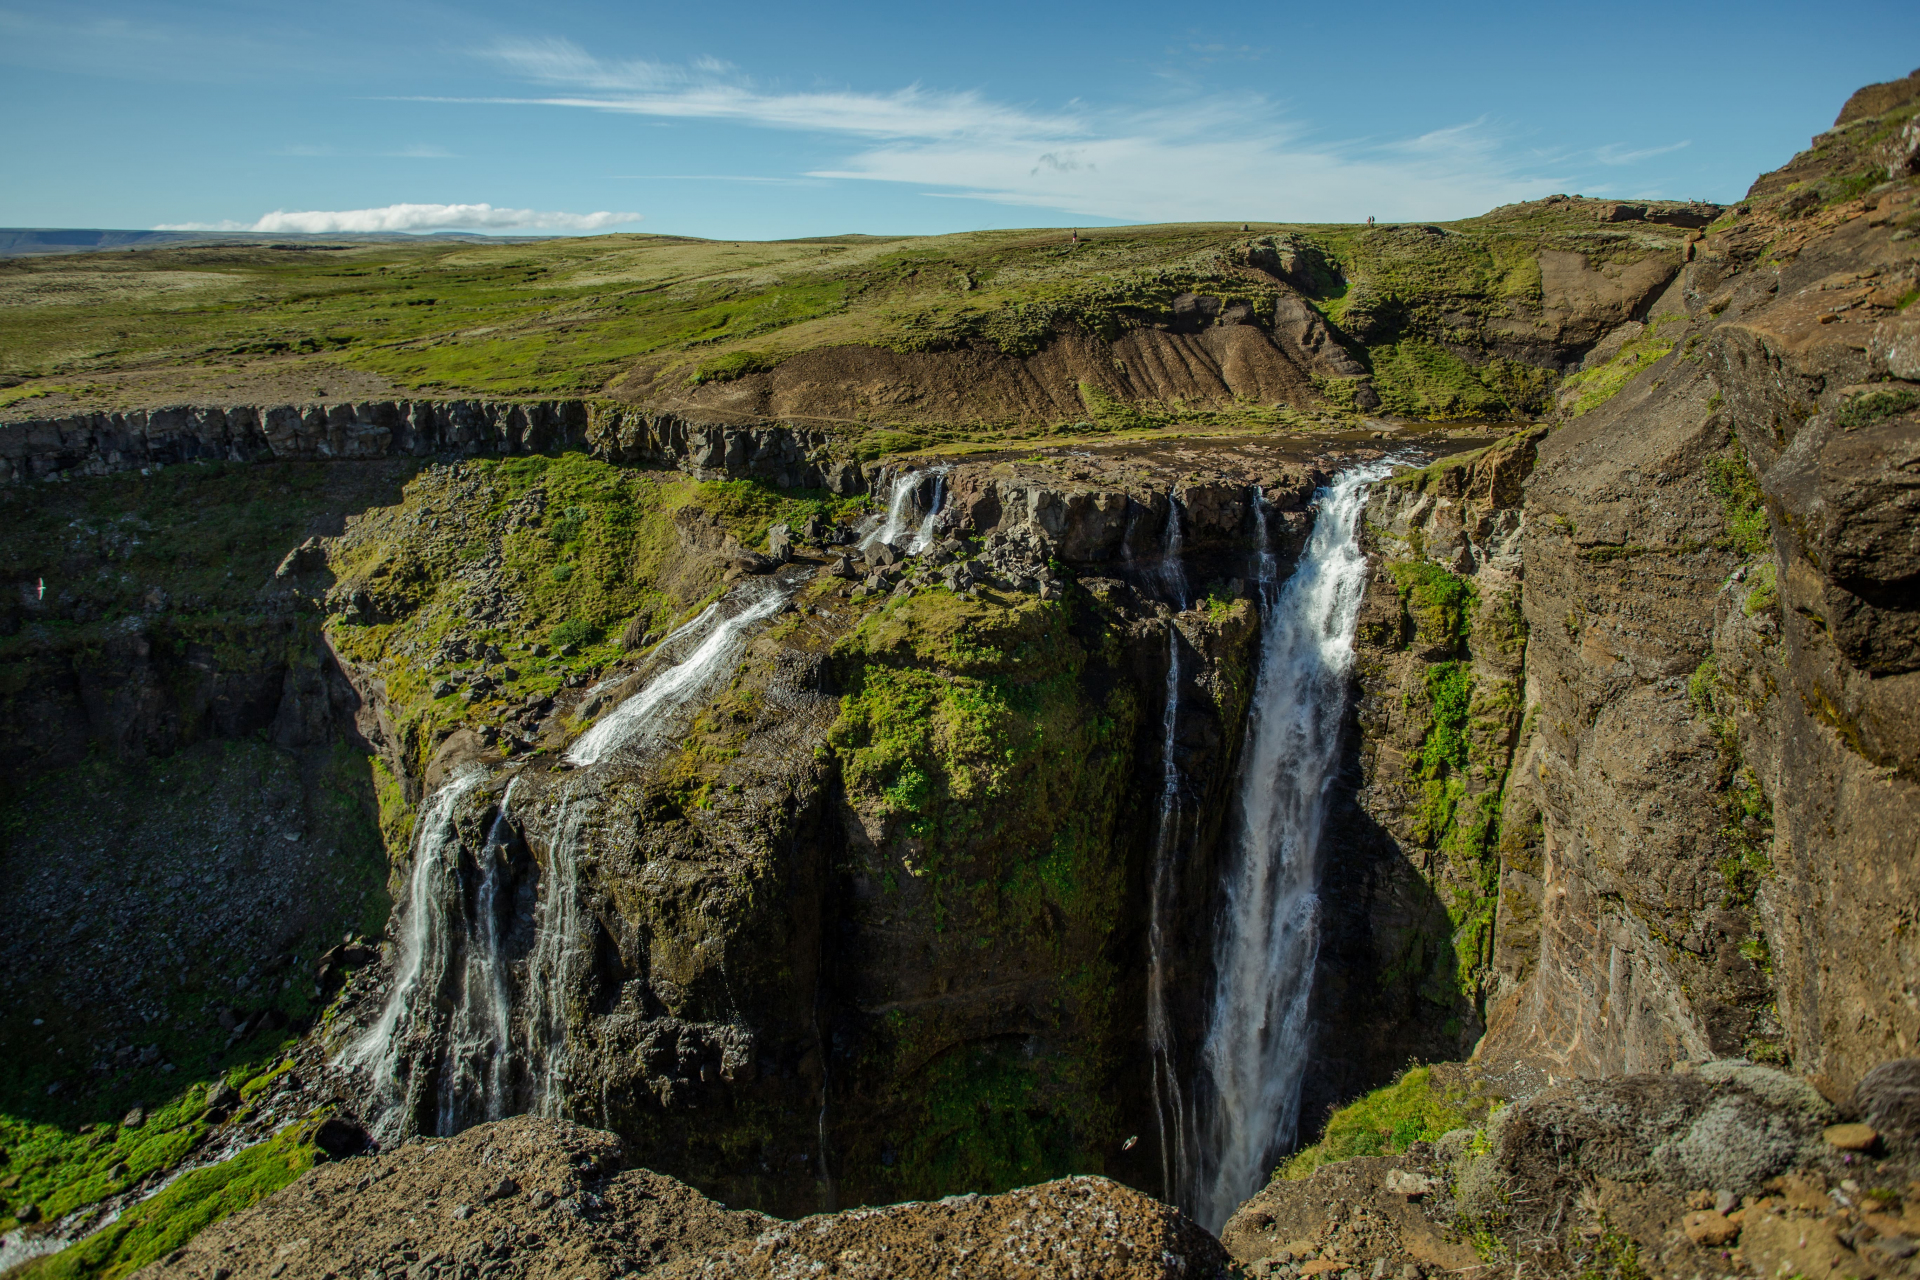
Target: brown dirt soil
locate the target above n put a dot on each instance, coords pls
(529, 1197)
(1213, 368)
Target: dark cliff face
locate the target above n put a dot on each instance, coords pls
(870, 925)
(1697, 839)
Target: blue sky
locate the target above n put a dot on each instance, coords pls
(763, 121)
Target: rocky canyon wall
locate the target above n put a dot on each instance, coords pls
(706, 447)
(1681, 658)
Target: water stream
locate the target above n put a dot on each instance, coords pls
(925, 537)
(631, 723)
(475, 1078)
(451, 1009)
(1170, 1111)
(903, 505)
(1267, 939)
(429, 944)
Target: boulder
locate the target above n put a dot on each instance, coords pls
(341, 1136)
(1888, 1098)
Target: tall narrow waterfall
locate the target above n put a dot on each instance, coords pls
(431, 936)
(475, 1081)
(1254, 1056)
(451, 1016)
(1169, 1104)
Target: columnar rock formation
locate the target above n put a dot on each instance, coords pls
(97, 444)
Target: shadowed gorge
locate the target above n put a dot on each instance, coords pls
(887, 753)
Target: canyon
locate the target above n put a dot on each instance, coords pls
(1205, 732)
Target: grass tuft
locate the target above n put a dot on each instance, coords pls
(1387, 1121)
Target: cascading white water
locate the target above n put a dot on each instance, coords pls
(476, 1072)
(442, 940)
(427, 940)
(557, 945)
(899, 509)
(925, 536)
(1168, 1101)
(629, 723)
(1254, 1055)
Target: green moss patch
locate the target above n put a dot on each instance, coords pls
(1414, 1108)
(1424, 380)
(1875, 406)
(153, 1228)
(1440, 603)
(1591, 388)
(992, 748)
(1732, 481)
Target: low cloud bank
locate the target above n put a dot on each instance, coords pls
(415, 217)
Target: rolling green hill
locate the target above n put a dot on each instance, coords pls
(1462, 319)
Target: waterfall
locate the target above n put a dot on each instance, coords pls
(629, 724)
(1267, 943)
(1171, 573)
(453, 986)
(924, 538)
(428, 938)
(901, 508)
(899, 503)
(1169, 1106)
(556, 947)
(477, 1064)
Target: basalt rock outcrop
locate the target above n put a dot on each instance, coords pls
(98, 444)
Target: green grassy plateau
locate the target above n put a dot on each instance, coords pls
(574, 317)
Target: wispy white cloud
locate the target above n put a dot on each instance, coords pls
(1616, 153)
(715, 177)
(1202, 158)
(416, 217)
(709, 89)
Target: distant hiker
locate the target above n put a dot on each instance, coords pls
(1369, 219)
(1076, 236)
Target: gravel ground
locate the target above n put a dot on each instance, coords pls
(537, 1198)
